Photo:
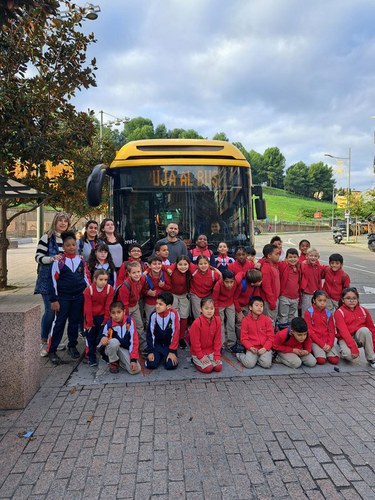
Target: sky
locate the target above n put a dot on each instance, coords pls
(293, 74)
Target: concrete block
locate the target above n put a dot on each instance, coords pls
(19, 354)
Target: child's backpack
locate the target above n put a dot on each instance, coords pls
(149, 280)
(212, 274)
(115, 296)
(311, 310)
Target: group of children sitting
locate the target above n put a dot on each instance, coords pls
(277, 309)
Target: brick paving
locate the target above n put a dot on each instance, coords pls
(296, 436)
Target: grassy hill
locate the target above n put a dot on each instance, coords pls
(290, 207)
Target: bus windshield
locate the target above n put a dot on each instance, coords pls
(201, 199)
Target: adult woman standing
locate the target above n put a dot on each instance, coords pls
(89, 239)
(114, 241)
(48, 250)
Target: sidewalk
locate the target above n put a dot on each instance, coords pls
(242, 434)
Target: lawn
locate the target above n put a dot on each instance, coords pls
(289, 207)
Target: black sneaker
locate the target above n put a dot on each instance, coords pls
(74, 353)
(54, 358)
(182, 344)
(93, 363)
(237, 349)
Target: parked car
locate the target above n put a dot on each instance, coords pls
(341, 226)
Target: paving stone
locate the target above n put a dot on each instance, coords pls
(367, 474)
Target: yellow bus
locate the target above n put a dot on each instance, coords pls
(202, 185)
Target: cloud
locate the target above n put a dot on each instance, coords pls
(293, 74)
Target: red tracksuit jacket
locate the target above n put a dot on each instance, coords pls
(205, 337)
(202, 284)
(155, 283)
(236, 267)
(321, 328)
(335, 282)
(285, 342)
(130, 292)
(257, 333)
(97, 304)
(311, 277)
(290, 279)
(242, 298)
(270, 287)
(222, 296)
(123, 272)
(179, 281)
(348, 322)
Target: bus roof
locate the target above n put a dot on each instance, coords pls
(178, 152)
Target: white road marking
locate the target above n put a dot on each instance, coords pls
(368, 306)
(368, 289)
(358, 265)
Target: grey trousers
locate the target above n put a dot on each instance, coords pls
(117, 353)
(228, 320)
(363, 338)
(249, 360)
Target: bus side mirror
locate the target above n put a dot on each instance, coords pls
(260, 208)
(94, 185)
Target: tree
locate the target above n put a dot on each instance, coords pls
(161, 132)
(138, 128)
(42, 65)
(220, 136)
(296, 179)
(321, 181)
(274, 163)
(258, 169)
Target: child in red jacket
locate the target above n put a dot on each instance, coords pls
(203, 279)
(290, 278)
(240, 264)
(247, 287)
(180, 280)
(335, 280)
(270, 289)
(157, 281)
(97, 299)
(321, 329)
(135, 255)
(256, 336)
(223, 297)
(311, 278)
(205, 339)
(303, 246)
(129, 293)
(355, 327)
(293, 345)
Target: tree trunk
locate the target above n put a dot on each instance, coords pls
(4, 244)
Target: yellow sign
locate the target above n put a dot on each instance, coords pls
(342, 201)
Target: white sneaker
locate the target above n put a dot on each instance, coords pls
(43, 349)
(372, 364)
(61, 347)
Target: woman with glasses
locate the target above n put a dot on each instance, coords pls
(48, 250)
(355, 327)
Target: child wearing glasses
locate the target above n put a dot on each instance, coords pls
(355, 327)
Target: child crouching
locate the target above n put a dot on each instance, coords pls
(256, 336)
(163, 334)
(293, 345)
(205, 339)
(119, 341)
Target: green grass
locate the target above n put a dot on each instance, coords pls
(289, 207)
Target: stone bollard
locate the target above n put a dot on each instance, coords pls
(19, 354)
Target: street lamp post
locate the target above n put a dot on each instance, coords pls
(116, 121)
(349, 158)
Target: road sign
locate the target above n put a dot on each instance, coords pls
(347, 214)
